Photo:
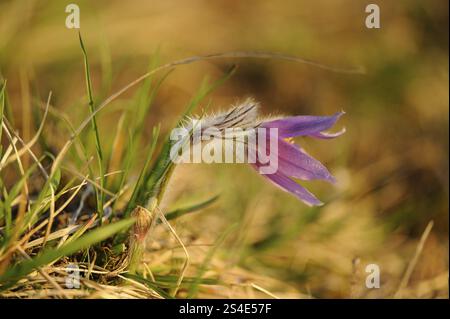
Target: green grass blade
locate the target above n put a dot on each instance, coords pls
(134, 200)
(6, 208)
(2, 109)
(7, 108)
(141, 107)
(190, 209)
(99, 192)
(127, 163)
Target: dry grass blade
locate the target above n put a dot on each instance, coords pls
(263, 290)
(186, 261)
(54, 235)
(25, 148)
(45, 275)
(28, 145)
(412, 264)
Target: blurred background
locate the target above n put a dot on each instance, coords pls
(391, 165)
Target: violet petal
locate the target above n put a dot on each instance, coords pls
(295, 162)
(290, 186)
(302, 125)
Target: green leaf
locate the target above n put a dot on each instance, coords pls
(190, 209)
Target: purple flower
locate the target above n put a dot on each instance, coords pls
(293, 161)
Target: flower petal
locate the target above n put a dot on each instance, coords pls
(290, 186)
(295, 162)
(302, 125)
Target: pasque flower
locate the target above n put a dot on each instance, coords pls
(292, 160)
